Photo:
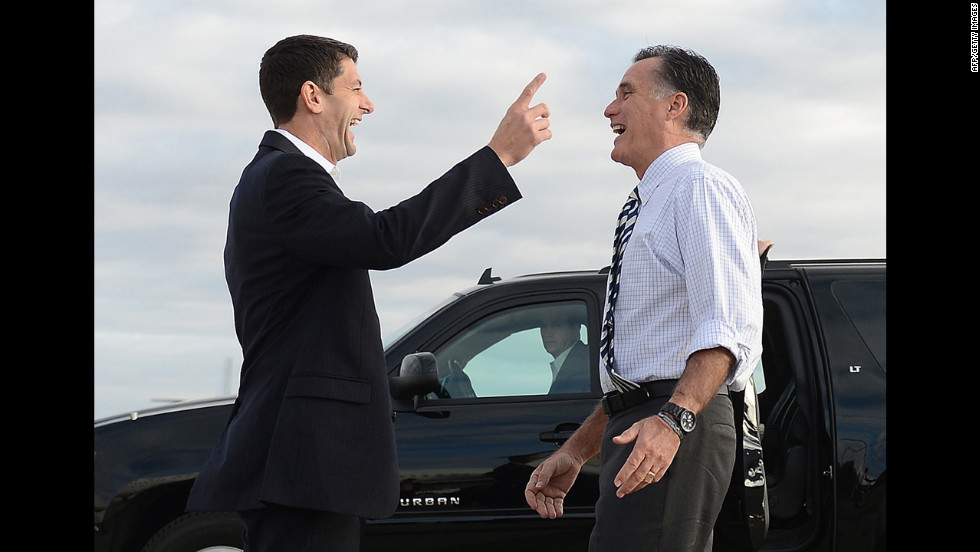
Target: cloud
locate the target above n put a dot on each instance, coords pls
(178, 115)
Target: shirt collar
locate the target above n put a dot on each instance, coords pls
(308, 151)
(664, 164)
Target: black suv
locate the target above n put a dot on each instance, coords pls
(468, 443)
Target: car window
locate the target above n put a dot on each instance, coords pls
(529, 350)
(864, 302)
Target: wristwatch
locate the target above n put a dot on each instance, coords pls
(686, 420)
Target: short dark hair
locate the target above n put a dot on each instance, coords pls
(293, 61)
(686, 71)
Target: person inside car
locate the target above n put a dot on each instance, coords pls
(570, 367)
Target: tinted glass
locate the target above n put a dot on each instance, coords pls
(864, 303)
(528, 350)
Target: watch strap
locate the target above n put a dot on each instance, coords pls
(674, 410)
(671, 423)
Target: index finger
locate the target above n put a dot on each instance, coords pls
(539, 478)
(524, 100)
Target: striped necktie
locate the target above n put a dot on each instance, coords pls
(624, 228)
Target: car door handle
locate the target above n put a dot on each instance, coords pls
(560, 434)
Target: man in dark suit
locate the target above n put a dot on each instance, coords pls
(570, 367)
(309, 451)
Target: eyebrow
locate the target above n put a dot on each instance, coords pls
(353, 83)
(625, 87)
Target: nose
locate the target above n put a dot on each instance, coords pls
(366, 105)
(611, 109)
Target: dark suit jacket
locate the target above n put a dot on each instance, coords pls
(312, 425)
(575, 374)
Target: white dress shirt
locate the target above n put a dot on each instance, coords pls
(308, 150)
(691, 277)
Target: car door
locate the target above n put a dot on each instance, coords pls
(467, 450)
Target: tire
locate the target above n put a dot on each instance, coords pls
(200, 532)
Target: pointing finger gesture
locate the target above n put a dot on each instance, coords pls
(523, 127)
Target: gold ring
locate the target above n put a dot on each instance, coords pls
(651, 474)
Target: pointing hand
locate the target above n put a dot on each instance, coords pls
(523, 127)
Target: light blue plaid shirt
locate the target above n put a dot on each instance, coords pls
(691, 277)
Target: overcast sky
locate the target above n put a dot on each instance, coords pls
(178, 115)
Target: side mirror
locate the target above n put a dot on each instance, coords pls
(418, 375)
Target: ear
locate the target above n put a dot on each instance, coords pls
(678, 105)
(309, 98)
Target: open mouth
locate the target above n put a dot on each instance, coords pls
(350, 129)
(618, 128)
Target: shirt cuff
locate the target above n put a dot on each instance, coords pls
(717, 333)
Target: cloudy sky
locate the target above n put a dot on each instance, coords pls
(177, 116)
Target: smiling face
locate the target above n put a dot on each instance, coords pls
(639, 120)
(343, 108)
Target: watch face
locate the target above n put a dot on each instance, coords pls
(687, 421)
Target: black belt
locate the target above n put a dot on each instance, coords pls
(615, 402)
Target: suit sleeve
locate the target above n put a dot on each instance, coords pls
(316, 221)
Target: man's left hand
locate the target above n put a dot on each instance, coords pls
(655, 446)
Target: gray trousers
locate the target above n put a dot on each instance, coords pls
(678, 513)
